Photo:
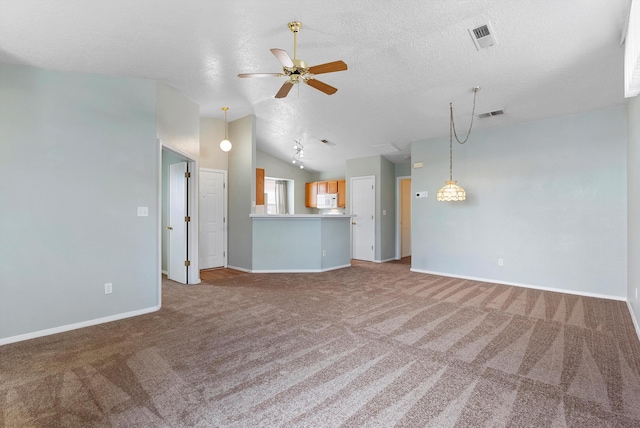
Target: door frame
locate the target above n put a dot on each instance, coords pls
(373, 177)
(398, 212)
(225, 211)
(193, 271)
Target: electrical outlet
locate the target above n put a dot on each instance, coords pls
(500, 262)
(324, 253)
(108, 288)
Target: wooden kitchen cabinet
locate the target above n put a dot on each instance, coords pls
(311, 195)
(259, 186)
(313, 189)
(342, 193)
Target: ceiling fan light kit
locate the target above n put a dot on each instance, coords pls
(296, 70)
(451, 192)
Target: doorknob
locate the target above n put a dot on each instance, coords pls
(353, 222)
(169, 228)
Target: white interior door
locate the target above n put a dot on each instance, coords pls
(211, 219)
(405, 217)
(363, 205)
(177, 248)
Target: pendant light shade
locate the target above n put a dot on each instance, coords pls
(451, 192)
(225, 145)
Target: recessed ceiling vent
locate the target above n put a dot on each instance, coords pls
(491, 113)
(328, 143)
(483, 36)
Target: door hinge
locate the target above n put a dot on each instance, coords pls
(187, 174)
(187, 263)
(187, 219)
(372, 247)
(224, 254)
(224, 185)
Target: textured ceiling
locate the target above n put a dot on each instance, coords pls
(407, 60)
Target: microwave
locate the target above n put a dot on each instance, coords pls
(329, 200)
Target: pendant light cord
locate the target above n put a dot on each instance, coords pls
(453, 125)
(452, 130)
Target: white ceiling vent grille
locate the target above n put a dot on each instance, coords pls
(491, 113)
(385, 149)
(483, 36)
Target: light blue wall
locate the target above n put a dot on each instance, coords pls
(278, 169)
(548, 197)
(633, 182)
(78, 155)
(242, 190)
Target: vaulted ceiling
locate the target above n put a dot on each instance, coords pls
(407, 60)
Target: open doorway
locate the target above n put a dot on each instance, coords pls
(403, 219)
(179, 216)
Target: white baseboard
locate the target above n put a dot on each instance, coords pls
(299, 270)
(634, 319)
(385, 260)
(516, 284)
(63, 328)
(239, 268)
(165, 272)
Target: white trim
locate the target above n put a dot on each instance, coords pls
(300, 270)
(516, 284)
(225, 202)
(633, 318)
(241, 269)
(385, 260)
(76, 326)
(193, 270)
(164, 272)
(398, 212)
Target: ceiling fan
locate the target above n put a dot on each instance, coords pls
(297, 70)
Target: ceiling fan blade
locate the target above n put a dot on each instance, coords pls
(321, 86)
(284, 90)
(283, 57)
(260, 75)
(329, 67)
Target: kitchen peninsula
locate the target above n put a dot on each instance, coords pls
(301, 242)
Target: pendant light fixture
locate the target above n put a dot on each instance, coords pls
(225, 145)
(451, 192)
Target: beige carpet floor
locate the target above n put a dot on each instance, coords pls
(373, 345)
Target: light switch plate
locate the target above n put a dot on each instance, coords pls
(143, 211)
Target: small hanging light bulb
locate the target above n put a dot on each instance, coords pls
(225, 145)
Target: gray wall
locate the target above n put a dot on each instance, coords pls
(403, 170)
(384, 172)
(242, 190)
(633, 182)
(278, 169)
(70, 224)
(178, 121)
(387, 210)
(548, 197)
